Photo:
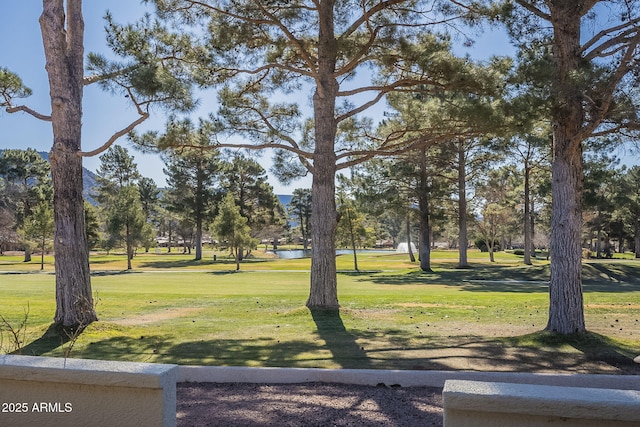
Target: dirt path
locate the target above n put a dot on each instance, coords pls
(157, 316)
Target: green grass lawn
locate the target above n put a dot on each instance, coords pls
(172, 309)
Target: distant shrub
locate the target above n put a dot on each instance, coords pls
(482, 245)
(586, 253)
(519, 252)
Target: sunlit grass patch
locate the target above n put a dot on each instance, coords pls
(393, 316)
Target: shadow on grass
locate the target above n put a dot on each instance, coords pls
(611, 277)
(594, 347)
(488, 279)
(115, 272)
(182, 263)
(340, 342)
(354, 273)
(164, 264)
(597, 277)
(380, 349)
(55, 336)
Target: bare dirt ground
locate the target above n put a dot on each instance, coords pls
(309, 404)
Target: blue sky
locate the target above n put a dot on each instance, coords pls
(21, 52)
(104, 114)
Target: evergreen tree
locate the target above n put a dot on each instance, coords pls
(247, 180)
(231, 228)
(300, 210)
(581, 82)
(25, 184)
(92, 225)
(497, 207)
(119, 198)
(629, 199)
(149, 201)
(39, 227)
(599, 198)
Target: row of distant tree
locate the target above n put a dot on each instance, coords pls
(503, 189)
(226, 195)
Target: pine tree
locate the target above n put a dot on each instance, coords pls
(231, 228)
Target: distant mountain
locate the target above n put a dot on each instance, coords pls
(89, 182)
(88, 179)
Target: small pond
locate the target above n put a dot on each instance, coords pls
(301, 253)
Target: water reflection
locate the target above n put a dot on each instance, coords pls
(301, 253)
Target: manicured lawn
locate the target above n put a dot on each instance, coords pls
(174, 310)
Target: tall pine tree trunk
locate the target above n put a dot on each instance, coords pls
(27, 253)
(463, 241)
(408, 226)
(64, 52)
(42, 247)
(425, 215)
(527, 214)
(324, 284)
(129, 246)
(198, 245)
(566, 310)
(353, 241)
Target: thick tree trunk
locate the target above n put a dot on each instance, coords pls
(64, 53)
(27, 254)
(463, 241)
(425, 243)
(324, 282)
(198, 239)
(324, 289)
(566, 310)
(425, 216)
(527, 214)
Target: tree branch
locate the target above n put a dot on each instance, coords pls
(100, 77)
(12, 109)
(144, 115)
(114, 137)
(586, 46)
(289, 35)
(625, 65)
(531, 8)
(616, 44)
(367, 15)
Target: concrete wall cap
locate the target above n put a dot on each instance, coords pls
(569, 402)
(86, 371)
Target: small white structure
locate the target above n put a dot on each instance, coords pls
(403, 248)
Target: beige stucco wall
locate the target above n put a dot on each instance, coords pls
(57, 392)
